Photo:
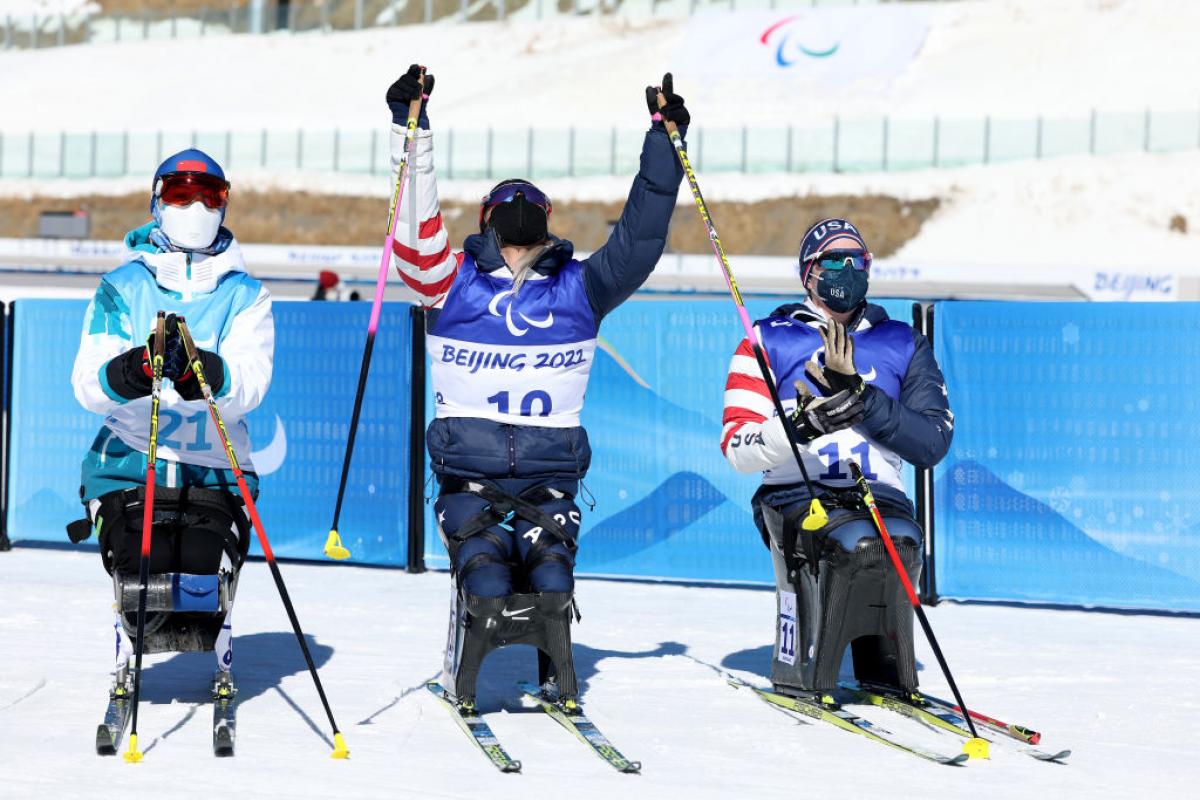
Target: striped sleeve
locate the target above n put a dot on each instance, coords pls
(421, 252)
(752, 437)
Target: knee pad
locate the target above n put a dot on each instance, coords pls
(856, 533)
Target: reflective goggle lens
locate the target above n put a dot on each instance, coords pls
(840, 259)
(506, 194)
(186, 188)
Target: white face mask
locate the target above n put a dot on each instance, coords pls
(191, 228)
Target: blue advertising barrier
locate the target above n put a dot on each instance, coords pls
(667, 503)
(1071, 475)
(299, 432)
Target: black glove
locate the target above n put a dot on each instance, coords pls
(406, 89)
(815, 417)
(129, 374)
(674, 110)
(839, 373)
(213, 365)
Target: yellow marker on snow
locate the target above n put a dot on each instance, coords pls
(134, 755)
(339, 747)
(977, 748)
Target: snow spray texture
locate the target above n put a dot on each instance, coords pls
(1067, 480)
(302, 420)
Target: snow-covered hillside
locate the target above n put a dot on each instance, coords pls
(999, 57)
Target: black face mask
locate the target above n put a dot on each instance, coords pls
(519, 222)
(842, 289)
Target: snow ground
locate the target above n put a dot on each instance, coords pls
(1102, 684)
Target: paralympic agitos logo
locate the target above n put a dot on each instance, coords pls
(785, 37)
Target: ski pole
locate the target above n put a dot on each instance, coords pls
(339, 744)
(156, 375)
(975, 747)
(816, 517)
(333, 543)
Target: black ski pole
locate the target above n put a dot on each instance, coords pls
(333, 543)
(156, 375)
(339, 744)
(975, 747)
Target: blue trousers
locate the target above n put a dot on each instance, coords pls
(515, 555)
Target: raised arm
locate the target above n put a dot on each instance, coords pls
(625, 261)
(421, 252)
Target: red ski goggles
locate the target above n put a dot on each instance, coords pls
(840, 259)
(185, 188)
(508, 192)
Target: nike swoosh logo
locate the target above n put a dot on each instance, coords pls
(507, 613)
(778, 324)
(870, 376)
(271, 457)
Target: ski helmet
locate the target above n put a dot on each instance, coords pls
(188, 199)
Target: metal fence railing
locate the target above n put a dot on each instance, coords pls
(839, 145)
(297, 16)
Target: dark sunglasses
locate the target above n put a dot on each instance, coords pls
(185, 188)
(840, 259)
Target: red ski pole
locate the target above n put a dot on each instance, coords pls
(975, 747)
(156, 375)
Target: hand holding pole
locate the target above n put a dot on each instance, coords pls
(333, 543)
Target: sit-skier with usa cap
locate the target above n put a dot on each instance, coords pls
(868, 389)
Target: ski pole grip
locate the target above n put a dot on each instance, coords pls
(671, 127)
(855, 470)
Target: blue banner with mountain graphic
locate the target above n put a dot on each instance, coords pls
(1070, 476)
(298, 433)
(666, 502)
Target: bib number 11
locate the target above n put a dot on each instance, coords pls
(834, 469)
(787, 628)
(500, 400)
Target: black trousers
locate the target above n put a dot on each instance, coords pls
(193, 528)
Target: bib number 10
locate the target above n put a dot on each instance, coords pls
(542, 399)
